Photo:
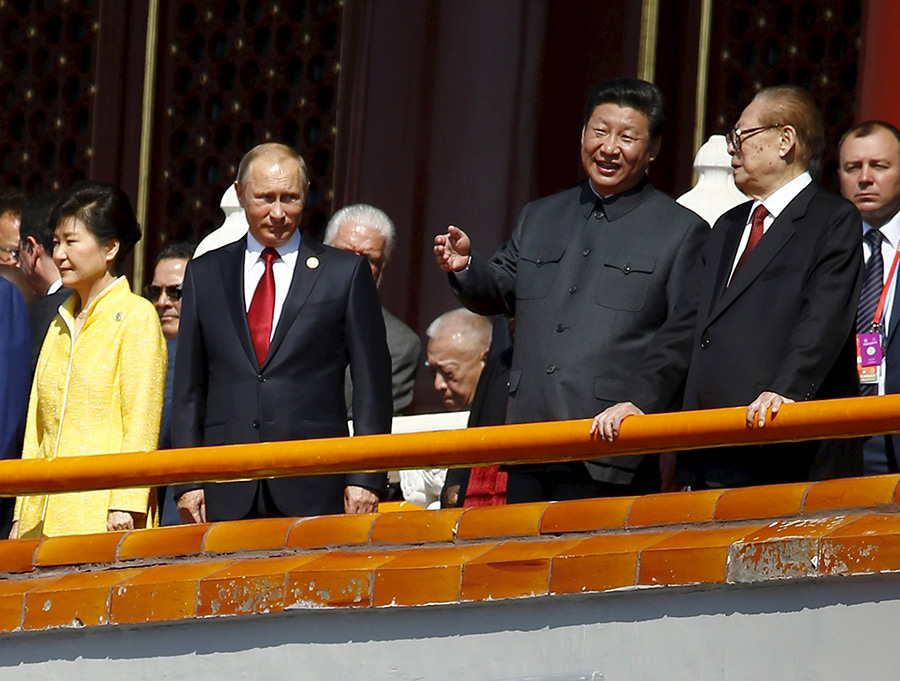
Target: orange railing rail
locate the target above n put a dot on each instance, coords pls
(533, 442)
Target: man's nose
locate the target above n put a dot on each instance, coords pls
(439, 383)
(609, 145)
(277, 210)
(865, 175)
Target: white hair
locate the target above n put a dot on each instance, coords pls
(363, 214)
(475, 327)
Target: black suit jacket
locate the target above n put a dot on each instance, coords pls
(589, 290)
(892, 370)
(43, 310)
(785, 324)
(331, 317)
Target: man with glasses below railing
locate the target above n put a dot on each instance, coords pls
(164, 291)
(770, 315)
(869, 171)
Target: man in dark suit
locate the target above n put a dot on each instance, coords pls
(39, 269)
(769, 315)
(869, 172)
(369, 232)
(268, 327)
(15, 382)
(590, 274)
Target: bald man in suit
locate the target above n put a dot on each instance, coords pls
(268, 327)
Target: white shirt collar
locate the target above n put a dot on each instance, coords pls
(890, 229)
(54, 287)
(292, 245)
(776, 202)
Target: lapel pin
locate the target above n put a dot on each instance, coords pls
(312, 262)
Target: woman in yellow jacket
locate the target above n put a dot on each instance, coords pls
(98, 387)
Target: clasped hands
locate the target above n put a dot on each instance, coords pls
(608, 422)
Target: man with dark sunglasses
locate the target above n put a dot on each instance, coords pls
(164, 292)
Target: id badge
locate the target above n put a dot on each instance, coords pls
(868, 356)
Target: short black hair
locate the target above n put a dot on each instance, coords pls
(12, 200)
(35, 221)
(176, 250)
(105, 210)
(631, 93)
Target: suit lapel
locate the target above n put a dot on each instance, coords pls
(768, 247)
(302, 284)
(731, 241)
(895, 315)
(232, 265)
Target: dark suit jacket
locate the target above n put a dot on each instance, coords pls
(588, 293)
(15, 383)
(43, 310)
(892, 369)
(331, 317)
(784, 324)
(405, 348)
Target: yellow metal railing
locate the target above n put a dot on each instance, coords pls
(532, 442)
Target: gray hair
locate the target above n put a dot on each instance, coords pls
(364, 214)
(475, 327)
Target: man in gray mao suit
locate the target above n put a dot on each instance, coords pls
(590, 274)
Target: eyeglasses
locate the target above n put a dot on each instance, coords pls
(154, 292)
(737, 137)
(13, 252)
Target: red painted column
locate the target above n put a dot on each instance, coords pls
(878, 95)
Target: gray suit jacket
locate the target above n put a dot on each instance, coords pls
(589, 286)
(405, 348)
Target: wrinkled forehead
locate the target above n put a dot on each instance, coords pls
(753, 114)
(274, 168)
(879, 144)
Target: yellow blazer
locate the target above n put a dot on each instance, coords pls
(98, 393)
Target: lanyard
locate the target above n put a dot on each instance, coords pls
(879, 311)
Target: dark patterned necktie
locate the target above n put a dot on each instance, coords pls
(873, 282)
(262, 307)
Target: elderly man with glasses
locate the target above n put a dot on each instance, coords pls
(770, 317)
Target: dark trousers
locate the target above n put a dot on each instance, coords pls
(572, 481)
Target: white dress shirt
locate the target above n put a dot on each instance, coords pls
(891, 232)
(54, 287)
(282, 268)
(775, 205)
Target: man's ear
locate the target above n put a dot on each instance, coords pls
(788, 141)
(240, 194)
(655, 143)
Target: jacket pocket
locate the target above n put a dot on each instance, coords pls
(514, 377)
(624, 280)
(537, 269)
(213, 434)
(611, 389)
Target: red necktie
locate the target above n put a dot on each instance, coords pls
(756, 232)
(262, 307)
